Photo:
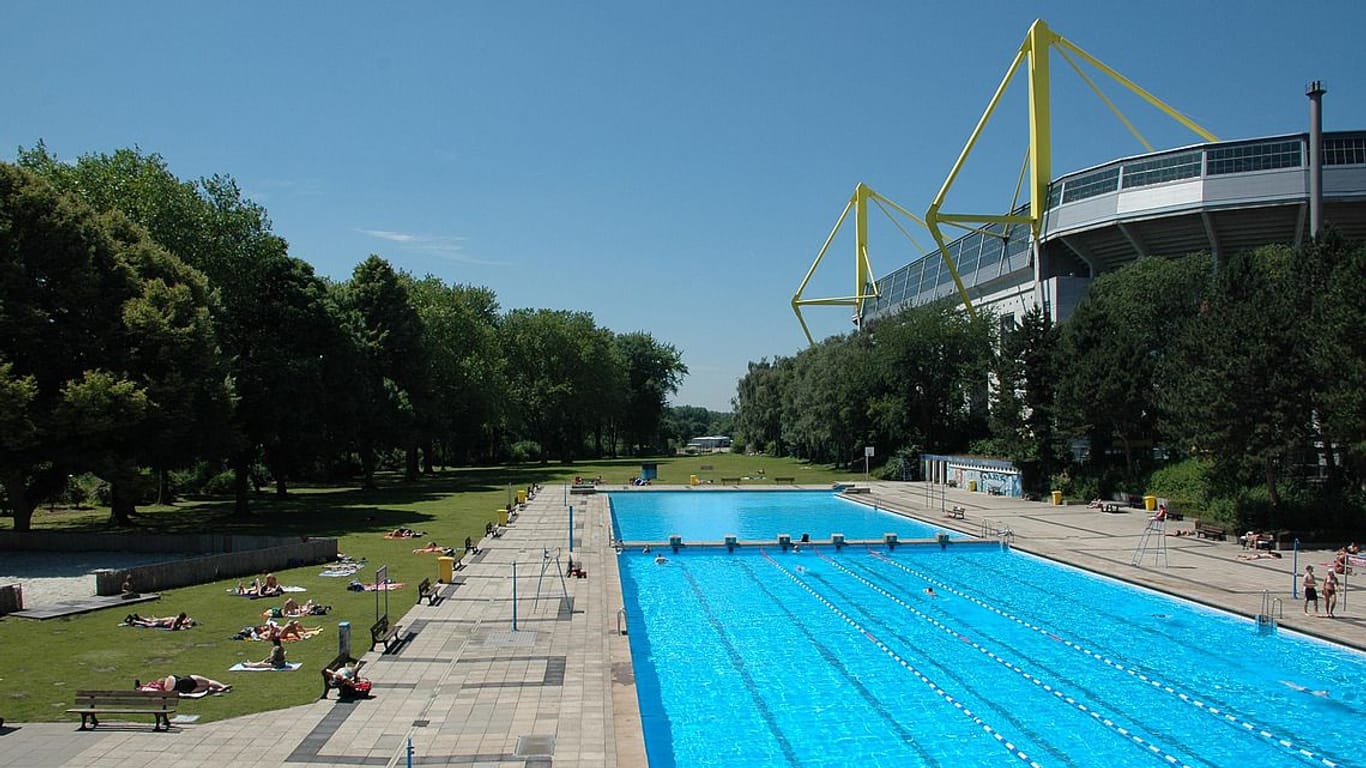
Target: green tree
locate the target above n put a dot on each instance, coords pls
(654, 371)
(1239, 378)
(465, 368)
(94, 317)
(1114, 343)
(1023, 415)
(394, 378)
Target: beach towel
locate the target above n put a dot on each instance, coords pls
(290, 667)
(356, 586)
(233, 591)
(342, 570)
(144, 626)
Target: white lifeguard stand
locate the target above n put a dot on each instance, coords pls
(1157, 526)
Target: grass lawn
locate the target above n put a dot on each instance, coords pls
(44, 663)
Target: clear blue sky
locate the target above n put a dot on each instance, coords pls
(669, 167)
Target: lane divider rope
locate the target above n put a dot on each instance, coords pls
(908, 666)
(1223, 715)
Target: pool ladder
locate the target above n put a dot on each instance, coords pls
(1272, 610)
(621, 621)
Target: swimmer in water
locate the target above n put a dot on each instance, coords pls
(660, 559)
(1304, 689)
(930, 591)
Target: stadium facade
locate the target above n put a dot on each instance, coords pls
(1218, 197)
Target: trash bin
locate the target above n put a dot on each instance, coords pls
(1150, 503)
(972, 486)
(521, 495)
(692, 479)
(445, 569)
(1057, 498)
(503, 516)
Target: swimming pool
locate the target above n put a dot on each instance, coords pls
(754, 516)
(818, 658)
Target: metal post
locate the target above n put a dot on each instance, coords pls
(1315, 91)
(571, 527)
(514, 596)
(410, 752)
(1295, 577)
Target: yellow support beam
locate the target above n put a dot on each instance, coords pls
(1033, 53)
(865, 284)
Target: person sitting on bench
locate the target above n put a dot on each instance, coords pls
(576, 570)
(469, 546)
(349, 682)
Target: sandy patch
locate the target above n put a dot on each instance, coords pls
(51, 577)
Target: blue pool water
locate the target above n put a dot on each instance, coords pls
(753, 516)
(765, 658)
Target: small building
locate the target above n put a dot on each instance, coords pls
(709, 443)
(973, 473)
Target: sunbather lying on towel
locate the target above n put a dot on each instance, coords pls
(404, 533)
(268, 587)
(159, 622)
(293, 609)
(185, 685)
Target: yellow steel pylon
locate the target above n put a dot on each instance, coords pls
(1034, 50)
(865, 286)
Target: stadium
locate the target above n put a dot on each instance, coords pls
(1217, 197)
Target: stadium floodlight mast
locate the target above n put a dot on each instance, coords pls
(1033, 57)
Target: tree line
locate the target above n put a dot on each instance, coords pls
(1235, 388)
(154, 328)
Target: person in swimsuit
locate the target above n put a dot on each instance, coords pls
(1330, 593)
(1310, 592)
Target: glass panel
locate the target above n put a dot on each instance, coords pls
(1345, 151)
(1141, 173)
(1091, 185)
(1255, 157)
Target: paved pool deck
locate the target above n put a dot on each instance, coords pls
(469, 690)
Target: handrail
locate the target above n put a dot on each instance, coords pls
(621, 619)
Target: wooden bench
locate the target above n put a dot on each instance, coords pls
(1209, 531)
(159, 704)
(730, 481)
(329, 682)
(956, 512)
(707, 468)
(781, 480)
(435, 593)
(381, 632)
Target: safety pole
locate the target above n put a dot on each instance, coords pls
(571, 527)
(1295, 577)
(514, 596)
(410, 752)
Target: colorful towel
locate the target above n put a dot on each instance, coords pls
(290, 667)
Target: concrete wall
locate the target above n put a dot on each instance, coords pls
(48, 541)
(155, 577)
(228, 556)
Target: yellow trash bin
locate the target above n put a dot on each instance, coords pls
(972, 486)
(503, 516)
(1150, 503)
(692, 479)
(521, 495)
(1057, 498)
(445, 569)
